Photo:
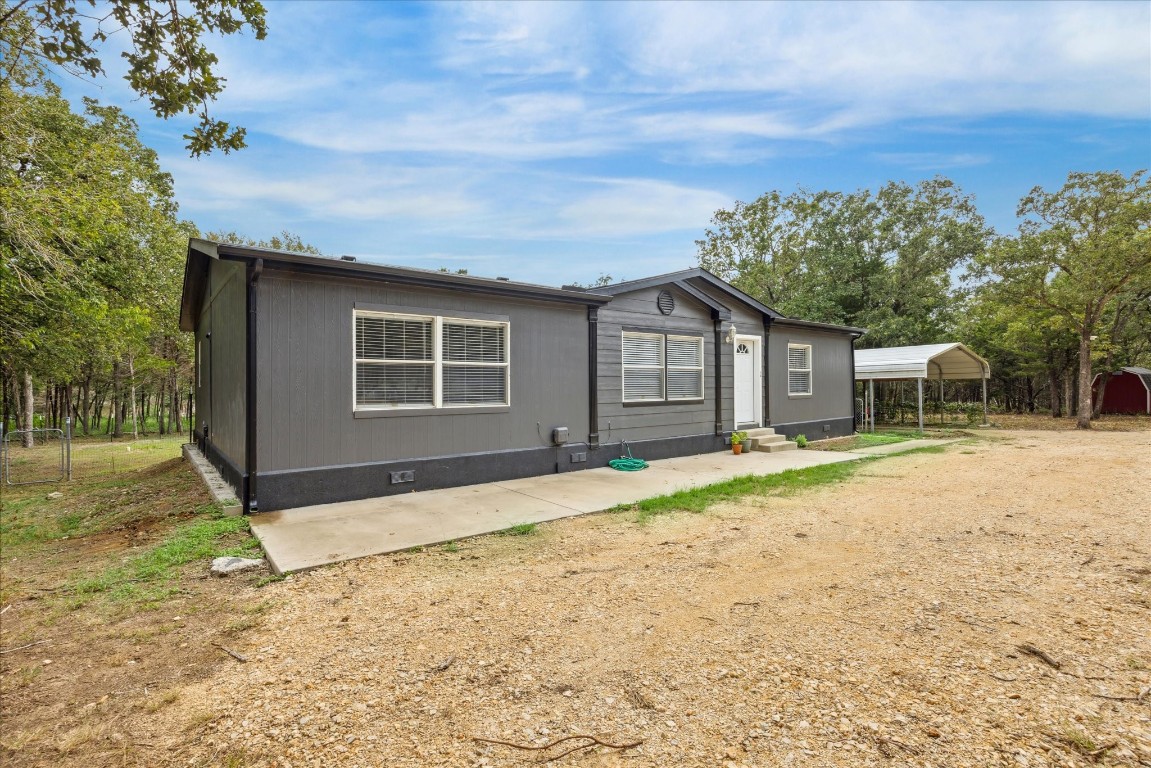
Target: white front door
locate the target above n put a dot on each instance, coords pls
(748, 391)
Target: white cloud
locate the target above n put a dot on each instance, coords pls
(626, 207)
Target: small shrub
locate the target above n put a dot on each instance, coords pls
(801, 441)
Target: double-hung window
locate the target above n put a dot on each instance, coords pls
(798, 369)
(661, 367)
(412, 361)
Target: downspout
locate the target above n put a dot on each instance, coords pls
(593, 377)
(255, 269)
(851, 400)
(718, 373)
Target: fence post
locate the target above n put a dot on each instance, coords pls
(68, 445)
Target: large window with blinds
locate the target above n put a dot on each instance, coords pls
(661, 367)
(799, 369)
(411, 361)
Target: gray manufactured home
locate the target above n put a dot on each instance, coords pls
(322, 380)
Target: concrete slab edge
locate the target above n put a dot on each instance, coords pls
(843, 457)
(222, 493)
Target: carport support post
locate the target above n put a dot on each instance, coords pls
(984, 380)
(871, 406)
(919, 400)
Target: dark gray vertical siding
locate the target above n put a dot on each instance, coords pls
(220, 398)
(634, 422)
(306, 366)
(830, 376)
(748, 322)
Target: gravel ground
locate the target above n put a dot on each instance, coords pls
(877, 622)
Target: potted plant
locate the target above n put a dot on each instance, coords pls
(737, 439)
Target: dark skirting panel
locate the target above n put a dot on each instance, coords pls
(817, 430)
(288, 489)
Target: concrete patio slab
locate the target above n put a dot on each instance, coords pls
(308, 537)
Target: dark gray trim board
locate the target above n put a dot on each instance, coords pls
(814, 430)
(288, 489)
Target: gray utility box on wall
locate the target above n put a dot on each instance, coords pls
(560, 435)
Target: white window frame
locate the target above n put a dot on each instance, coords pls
(663, 368)
(807, 370)
(624, 368)
(437, 362)
(668, 367)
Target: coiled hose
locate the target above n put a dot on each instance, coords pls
(627, 463)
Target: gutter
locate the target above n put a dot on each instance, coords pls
(255, 269)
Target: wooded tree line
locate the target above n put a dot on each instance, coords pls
(91, 248)
(1069, 293)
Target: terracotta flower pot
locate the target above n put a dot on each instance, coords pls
(737, 448)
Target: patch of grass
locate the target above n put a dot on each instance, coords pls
(451, 546)
(699, 499)
(925, 449)
(1078, 739)
(864, 440)
(144, 577)
(519, 529)
(24, 676)
(270, 579)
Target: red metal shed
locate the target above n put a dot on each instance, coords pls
(1128, 391)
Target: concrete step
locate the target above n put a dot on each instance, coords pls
(760, 432)
(786, 445)
(766, 440)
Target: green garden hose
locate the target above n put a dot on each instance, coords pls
(627, 463)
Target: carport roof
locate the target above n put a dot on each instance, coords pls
(927, 361)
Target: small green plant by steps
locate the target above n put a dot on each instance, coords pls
(801, 441)
(451, 546)
(519, 529)
(737, 438)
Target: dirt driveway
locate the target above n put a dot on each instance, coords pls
(876, 622)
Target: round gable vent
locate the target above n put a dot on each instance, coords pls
(665, 302)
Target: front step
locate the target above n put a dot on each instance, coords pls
(765, 439)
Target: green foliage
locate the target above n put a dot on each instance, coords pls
(801, 441)
(285, 241)
(878, 260)
(700, 499)
(738, 437)
(169, 63)
(1082, 253)
(144, 575)
(520, 529)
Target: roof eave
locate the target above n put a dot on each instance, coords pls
(299, 262)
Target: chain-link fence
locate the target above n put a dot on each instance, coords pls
(29, 456)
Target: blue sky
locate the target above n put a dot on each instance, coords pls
(553, 142)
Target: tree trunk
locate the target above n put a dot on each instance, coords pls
(1053, 383)
(135, 413)
(117, 415)
(1083, 420)
(29, 409)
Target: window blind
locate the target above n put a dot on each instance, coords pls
(684, 368)
(799, 369)
(643, 355)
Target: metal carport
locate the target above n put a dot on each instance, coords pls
(934, 361)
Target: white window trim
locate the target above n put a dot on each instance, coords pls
(668, 367)
(807, 370)
(663, 368)
(624, 368)
(437, 362)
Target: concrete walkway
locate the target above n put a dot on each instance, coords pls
(308, 537)
(907, 445)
